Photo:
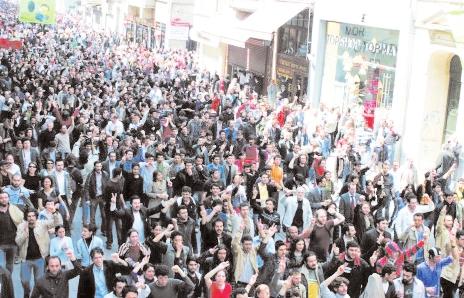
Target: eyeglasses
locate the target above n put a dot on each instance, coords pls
(32, 166)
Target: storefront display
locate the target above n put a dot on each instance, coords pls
(359, 66)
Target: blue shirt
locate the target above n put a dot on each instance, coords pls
(17, 195)
(100, 282)
(220, 168)
(147, 174)
(431, 276)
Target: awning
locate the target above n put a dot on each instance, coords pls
(267, 19)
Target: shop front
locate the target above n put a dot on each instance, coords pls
(251, 64)
(359, 67)
(292, 75)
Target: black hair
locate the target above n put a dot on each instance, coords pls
(117, 172)
(129, 289)
(421, 215)
(378, 220)
(459, 234)
(147, 266)
(130, 231)
(352, 244)
(246, 238)
(346, 227)
(29, 210)
(174, 234)
(119, 279)
(96, 250)
(91, 227)
(388, 269)
(135, 197)
(278, 244)
(187, 189)
(161, 270)
(409, 267)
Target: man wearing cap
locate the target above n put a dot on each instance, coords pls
(429, 272)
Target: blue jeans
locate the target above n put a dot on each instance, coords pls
(28, 267)
(7, 254)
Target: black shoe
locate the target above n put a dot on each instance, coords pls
(109, 246)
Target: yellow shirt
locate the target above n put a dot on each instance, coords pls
(313, 289)
(263, 194)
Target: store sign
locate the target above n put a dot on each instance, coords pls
(360, 65)
(291, 66)
(179, 29)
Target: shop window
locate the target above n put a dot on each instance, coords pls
(293, 36)
(454, 92)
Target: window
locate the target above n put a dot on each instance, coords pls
(454, 93)
(293, 35)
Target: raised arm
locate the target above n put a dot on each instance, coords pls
(210, 274)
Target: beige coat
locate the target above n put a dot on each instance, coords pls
(409, 239)
(239, 256)
(41, 236)
(16, 214)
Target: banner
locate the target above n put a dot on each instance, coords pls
(10, 44)
(37, 11)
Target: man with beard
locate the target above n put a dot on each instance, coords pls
(217, 237)
(18, 195)
(55, 282)
(195, 277)
(409, 286)
(320, 233)
(313, 272)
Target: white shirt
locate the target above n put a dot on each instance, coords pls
(405, 217)
(60, 182)
(138, 226)
(111, 166)
(26, 158)
(98, 182)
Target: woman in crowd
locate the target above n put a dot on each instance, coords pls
(61, 245)
(86, 243)
(32, 182)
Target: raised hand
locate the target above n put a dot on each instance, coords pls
(212, 250)
(114, 198)
(224, 265)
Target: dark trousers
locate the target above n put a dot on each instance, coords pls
(74, 203)
(449, 288)
(109, 229)
(94, 203)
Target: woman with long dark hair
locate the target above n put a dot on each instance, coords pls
(296, 253)
(32, 182)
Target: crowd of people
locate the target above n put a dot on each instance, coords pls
(190, 184)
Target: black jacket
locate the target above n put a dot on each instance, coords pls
(127, 217)
(357, 277)
(49, 286)
(369, 242)
(86, 286)
(90, 186)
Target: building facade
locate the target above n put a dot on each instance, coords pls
(240, 39)
(408, 70)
